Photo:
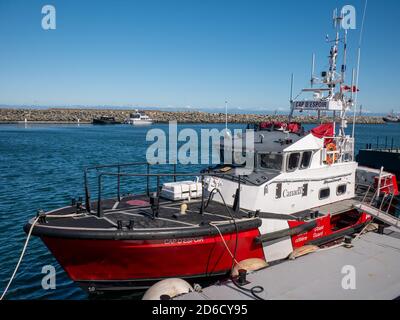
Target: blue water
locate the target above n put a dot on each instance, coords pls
(41, 167)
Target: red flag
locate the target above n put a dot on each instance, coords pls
(324, 130)
(348, 88)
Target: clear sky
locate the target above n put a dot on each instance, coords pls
(187, 53)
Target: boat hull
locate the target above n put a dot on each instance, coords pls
(105, 265)
(140, 122)
(105, 122)
(115, 264)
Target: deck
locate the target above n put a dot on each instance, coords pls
(375, 258)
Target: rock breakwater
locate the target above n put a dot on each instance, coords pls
(59, 115)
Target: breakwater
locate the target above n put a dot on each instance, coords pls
(61, 115)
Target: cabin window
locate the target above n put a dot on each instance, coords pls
(306, 160)
(324, 193)
(271, 161)
(293, 161)
(237, 158)
(341, 189)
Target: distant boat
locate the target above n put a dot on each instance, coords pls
(392, 118)
(105, 120)
(139, 118)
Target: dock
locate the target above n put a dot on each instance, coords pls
(372, 264)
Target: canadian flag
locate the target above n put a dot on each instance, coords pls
(347, 88)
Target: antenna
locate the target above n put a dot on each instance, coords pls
(344, 65)
(291, 97)
(291, 88)
(334, 18)
(358, 67)
(226, 116)
(312, 69)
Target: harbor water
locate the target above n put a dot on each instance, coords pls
(41, 167)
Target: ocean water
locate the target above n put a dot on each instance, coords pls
(41, 168)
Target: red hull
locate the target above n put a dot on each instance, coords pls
(120, 260)
(139, 263)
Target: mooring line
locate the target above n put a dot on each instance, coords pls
(26, 245)
(20, 258)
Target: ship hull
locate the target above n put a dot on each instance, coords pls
(100, 265)
(133, 265)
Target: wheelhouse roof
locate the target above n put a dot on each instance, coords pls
(266, 141)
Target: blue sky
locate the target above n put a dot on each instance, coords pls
(186, 53)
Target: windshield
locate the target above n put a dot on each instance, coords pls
(270, 161)
(236, 158)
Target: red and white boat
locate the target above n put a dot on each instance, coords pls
(303, 189)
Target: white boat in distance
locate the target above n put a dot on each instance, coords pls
(139, 118)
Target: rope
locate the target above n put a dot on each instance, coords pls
(20, 258)
(26, 245)
(223, 240)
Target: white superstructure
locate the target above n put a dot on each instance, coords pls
(139, 118)
(294, 171)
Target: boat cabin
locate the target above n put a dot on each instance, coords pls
(293, 171)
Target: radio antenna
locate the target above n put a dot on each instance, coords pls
(226, 115)
(291, 98)
(358, 68)
(312, 70)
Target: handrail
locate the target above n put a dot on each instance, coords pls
(374, 193)
(118, 166)
(157, 175)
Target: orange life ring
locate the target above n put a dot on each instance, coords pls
(331, 158)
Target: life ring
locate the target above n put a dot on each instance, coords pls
(331, 158)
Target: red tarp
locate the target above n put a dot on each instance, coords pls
(324, 130)
(293, 127)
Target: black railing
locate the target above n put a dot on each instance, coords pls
(146, 175)
(384, 143)
(118, 166)
(158, 188)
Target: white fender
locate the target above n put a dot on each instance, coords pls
(251, 264)
(172, 287)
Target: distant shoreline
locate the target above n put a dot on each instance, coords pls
(85, 116)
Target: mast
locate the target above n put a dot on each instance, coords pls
(226, 115)
(291, 98)
(330, 96)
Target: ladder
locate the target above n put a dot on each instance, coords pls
(377, 213)
(372, 207)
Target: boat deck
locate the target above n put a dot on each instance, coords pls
(337, 207)
(374, 258)
(135, 213)
(133, 218)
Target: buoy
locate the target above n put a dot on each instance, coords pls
(169, 287)
(302, 251)
(251, 264)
